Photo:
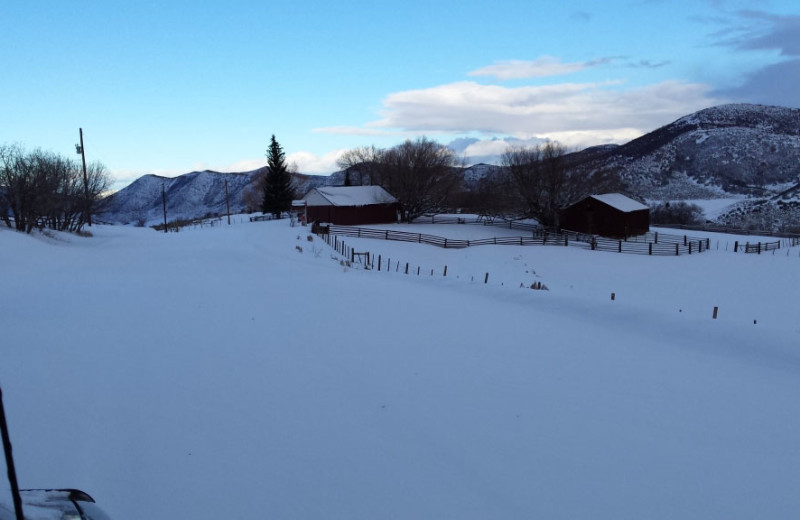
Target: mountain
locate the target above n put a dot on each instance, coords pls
(726, 150)
(188, 196)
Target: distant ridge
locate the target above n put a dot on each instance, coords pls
(720, 152)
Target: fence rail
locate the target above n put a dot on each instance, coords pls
(538, 237)
(759, 247)
(717, 228)
(654, 244)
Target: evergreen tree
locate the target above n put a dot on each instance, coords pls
(278, 188)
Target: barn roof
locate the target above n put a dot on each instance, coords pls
(620, 202)
(349, 196)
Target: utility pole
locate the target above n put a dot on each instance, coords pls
(164, 203)
(227, 203)
(88, 207)
(12, 472)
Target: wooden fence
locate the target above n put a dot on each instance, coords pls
(649, 244)
(654, 243)
(758, 247)
(369, 261)
(717, 228)
(686, 244)
(538, 237)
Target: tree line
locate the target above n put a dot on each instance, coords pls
(40, 189)
(534, 182)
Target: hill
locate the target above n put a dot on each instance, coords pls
(727, 150)
(188, 196)
(721, 152)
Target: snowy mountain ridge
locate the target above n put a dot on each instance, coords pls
(188, 196)
(719, 152)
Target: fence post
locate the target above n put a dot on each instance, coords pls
(677, 250)
(620, 246)
(566, 240)
(759, 248)
(352, 255)
(714, 316)
(650, 248)
(690, 248)
(406, 267)
(684, 239)
(445, 243)
(656, 237)
(486, 278)
(379, 262)
(445, 270)
(736, 247)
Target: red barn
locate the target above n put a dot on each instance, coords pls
(609, 215)
(351, 205)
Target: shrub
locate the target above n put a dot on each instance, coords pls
(676, 213)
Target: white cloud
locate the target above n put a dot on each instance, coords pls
(245, 165)
(306, 162)
(600, 111)
(486, 148)
(310, 163)
(538, 68)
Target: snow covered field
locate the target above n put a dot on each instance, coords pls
(222, 373)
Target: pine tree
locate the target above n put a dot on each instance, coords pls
(278, 188)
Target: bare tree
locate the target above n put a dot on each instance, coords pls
(538, 176)
(421, 174)
(253, 193)
(541, 182)
(42, 189)
(362, 165)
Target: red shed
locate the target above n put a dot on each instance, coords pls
(609, 215)
(351, 205)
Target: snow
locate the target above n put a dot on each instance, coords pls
(348, 196)
(222, 373)
(620, 202)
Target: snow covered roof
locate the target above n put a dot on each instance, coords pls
(348, 196)
(620, 202)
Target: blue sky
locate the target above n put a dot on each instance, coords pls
(174, 86)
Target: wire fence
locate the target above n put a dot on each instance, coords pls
(350, 257)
